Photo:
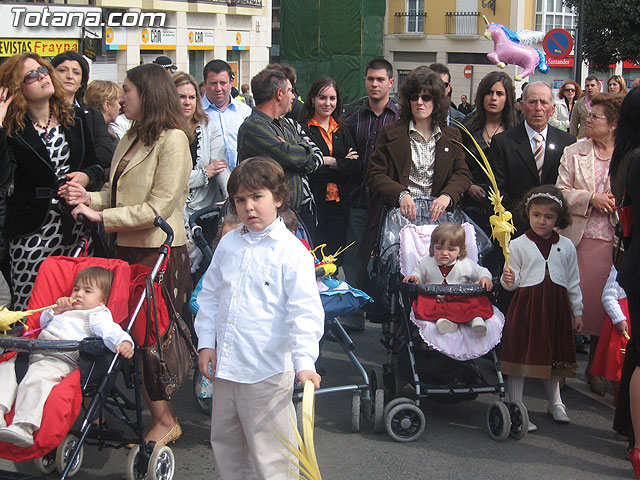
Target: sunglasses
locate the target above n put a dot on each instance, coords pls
(33, 75)
(425, 98)
(569, 89)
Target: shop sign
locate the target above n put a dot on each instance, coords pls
(200, 40)
(45, 47)
(158, 39)
(238, 40)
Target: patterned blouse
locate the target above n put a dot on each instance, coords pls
(423, 159)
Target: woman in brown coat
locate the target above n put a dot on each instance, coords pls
(416, 156)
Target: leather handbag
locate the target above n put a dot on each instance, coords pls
(622, 231)
(166, 363)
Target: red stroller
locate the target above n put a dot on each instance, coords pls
(56, 444)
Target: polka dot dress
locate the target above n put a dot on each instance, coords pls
(28, 252)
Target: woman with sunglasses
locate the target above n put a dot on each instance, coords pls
(417, 156)
(583, 177)
(43, 144)
(567, 97)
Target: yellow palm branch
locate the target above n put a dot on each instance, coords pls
(502, 222)
(9, 317)
(304, 454)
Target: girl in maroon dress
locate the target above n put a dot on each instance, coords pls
(547, 308)
(447, 264)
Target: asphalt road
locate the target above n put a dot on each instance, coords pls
(455, 444)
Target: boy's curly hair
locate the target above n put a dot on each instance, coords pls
(256, 173)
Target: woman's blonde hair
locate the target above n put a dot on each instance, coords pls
(449, 232)
(100, 91)
(183, 78)
(11, 78)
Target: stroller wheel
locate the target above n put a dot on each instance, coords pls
(405, 422)
(355, 412)
(64, 452)
(378, 411)
(202, 404)
(134, 469)
(519, 420)
(393, 403)
(162, 464)
(498, 421)
(46, 464)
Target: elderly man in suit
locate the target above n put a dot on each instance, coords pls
(529, 154)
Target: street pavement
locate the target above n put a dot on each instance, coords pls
(455, 444)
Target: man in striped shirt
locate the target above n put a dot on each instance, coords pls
(267, 132)
(365, 124)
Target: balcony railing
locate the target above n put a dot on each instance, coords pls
(462, 24)
(409, 23)
(244, 3)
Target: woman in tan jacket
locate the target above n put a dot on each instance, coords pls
(149, 177)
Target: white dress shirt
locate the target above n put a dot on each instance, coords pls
(228, 121)
(531, 132)
(260, 307)
(611, 295)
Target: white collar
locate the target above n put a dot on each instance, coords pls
(531, 132)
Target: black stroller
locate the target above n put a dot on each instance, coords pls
(93, 387)
(421, 361)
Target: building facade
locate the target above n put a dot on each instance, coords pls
(137, 31)
(451, 32)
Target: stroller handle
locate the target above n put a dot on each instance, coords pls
(431, 289)
(165, 227)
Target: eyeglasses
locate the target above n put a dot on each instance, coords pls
(593, 116)
(569, 89)
(33, 75)
(425, 98)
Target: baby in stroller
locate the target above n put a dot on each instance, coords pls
(81, 315)
(447, 264)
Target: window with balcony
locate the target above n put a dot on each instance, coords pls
(415, 17)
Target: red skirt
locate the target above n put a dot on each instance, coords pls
(609, 355)
(458, 309)
(537, 340)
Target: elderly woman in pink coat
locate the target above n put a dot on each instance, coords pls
(583, 177)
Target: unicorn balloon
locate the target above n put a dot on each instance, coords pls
(512, 47)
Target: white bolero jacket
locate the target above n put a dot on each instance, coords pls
(528, 265)
(464, 271)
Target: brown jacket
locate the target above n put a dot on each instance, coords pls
(389, 168)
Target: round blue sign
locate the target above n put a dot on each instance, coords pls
(558, 43)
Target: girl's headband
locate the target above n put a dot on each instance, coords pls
(544, 195)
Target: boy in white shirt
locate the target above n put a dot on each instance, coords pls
(260, 320)
(83, 314)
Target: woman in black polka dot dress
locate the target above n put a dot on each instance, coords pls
(42, 146)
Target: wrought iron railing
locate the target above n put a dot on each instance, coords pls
(462, 24)
(409, 23)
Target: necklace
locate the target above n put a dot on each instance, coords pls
(602, 159)
(46, 135)
(490, 137)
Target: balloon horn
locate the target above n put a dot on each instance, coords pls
(485, 19)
